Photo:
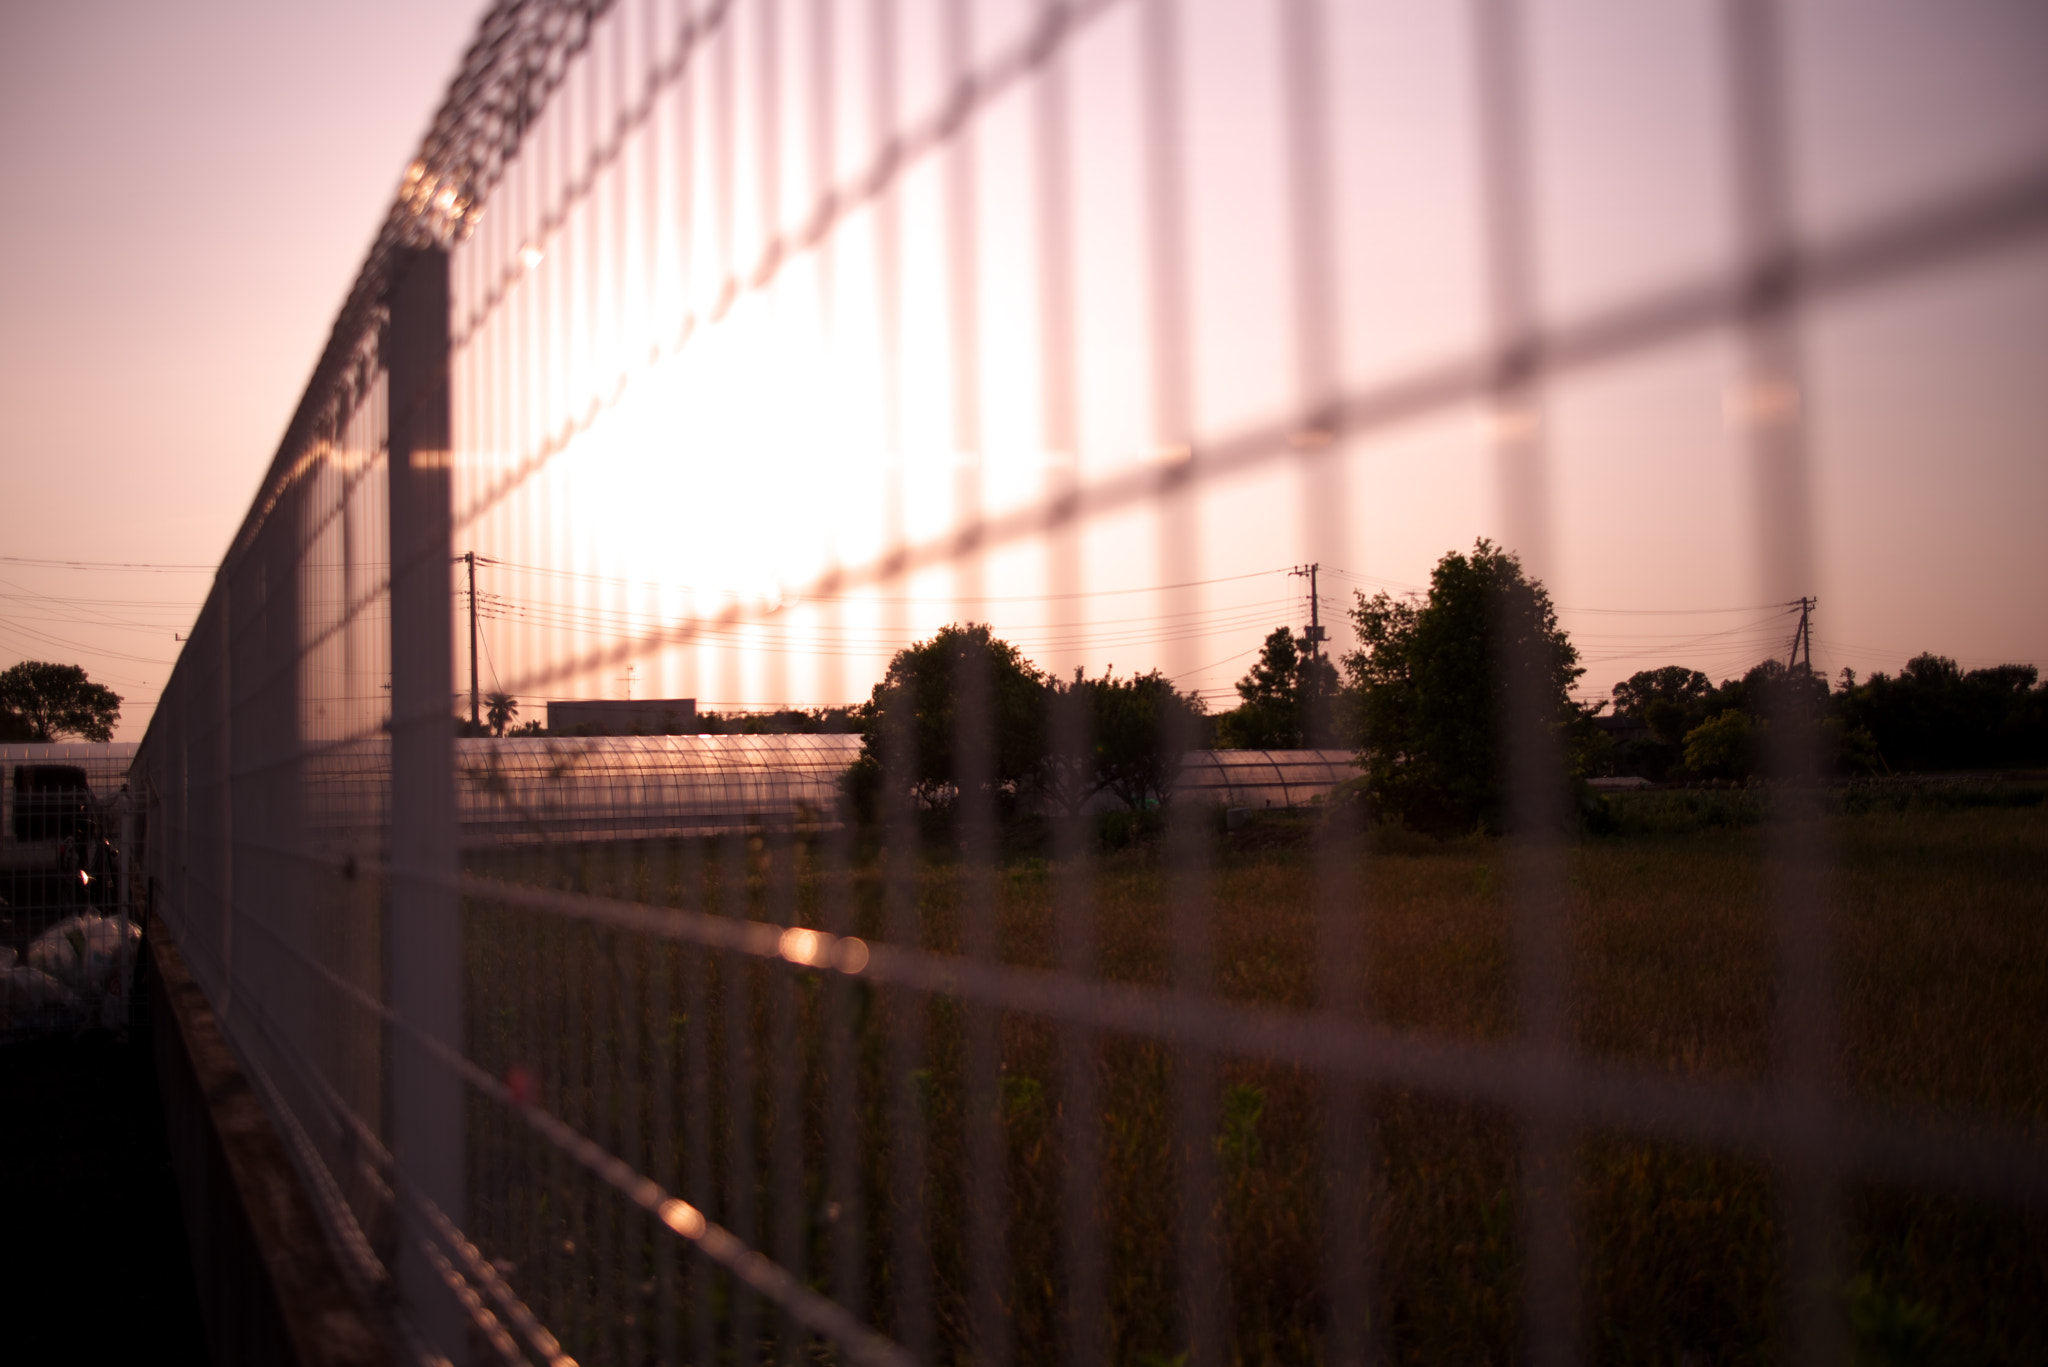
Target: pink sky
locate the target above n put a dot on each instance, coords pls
(192, 191)
(189, 190)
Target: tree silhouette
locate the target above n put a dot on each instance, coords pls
(1431, 685)
(499, 710)
(54, 700)
(1287, 700)
(914, 719)
(1137, 730)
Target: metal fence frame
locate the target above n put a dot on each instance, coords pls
(331, 946)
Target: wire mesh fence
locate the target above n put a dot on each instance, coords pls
(734, 346)
(68, 907)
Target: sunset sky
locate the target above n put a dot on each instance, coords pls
(189, 190)
(191, 195)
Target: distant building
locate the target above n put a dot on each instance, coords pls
(638, 717)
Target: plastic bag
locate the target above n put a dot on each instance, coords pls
(87, 953)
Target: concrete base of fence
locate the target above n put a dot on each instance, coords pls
(270, 1290)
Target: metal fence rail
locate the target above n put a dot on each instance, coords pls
(742, 343)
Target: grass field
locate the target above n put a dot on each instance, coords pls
(1938, 912)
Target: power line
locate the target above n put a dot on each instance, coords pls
(597, 615)
(861, 641)
(865, 598)
(62, 643)
(1218, 665)
(31, 596)
(114, 624)
(1563, 607)
(144, 567)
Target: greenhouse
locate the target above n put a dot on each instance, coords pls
(535, 789)
(1258, 779)
(531, 790)
(523, 790)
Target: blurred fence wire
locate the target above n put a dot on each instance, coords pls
(742, 341)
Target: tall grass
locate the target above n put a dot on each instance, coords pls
(1940, 922)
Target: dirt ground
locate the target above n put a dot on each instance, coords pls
(93, 1260)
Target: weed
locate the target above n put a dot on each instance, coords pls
(1938, 916)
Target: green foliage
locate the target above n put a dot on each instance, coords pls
(1023, 1097)
(1124, 736)
(1700, 731)
(1933, 715)
(1132, 733)
(1670, 701)
(53, 700)
(1726, 745)
(1288, 700)
(1772, 691)
(1430, 683)
(913, 731)
(1243, 1108)
(1891, 1330)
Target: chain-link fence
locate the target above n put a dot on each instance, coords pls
(735, 346)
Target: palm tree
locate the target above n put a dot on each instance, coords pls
(499, 711)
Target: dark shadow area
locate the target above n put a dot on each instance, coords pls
(93, 1260)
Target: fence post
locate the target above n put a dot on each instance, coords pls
(425, 936)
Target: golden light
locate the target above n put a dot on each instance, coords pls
(682, 1217)
(801, 946)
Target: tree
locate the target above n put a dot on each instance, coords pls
(1770, 691)
(1703, 731)
(1934, 715)
(1287, 700)
(1726, 745)
(913, 732)
(499, 710)
(1137, 729)
(1670, 701)
(1431, 682)
(1665, 704)
(54, 700)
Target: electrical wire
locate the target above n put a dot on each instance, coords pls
(47, 638)
(865, 598)
(129, 566)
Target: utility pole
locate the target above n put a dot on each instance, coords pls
(1803, 637)
(1315, 635)
(469, 559)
